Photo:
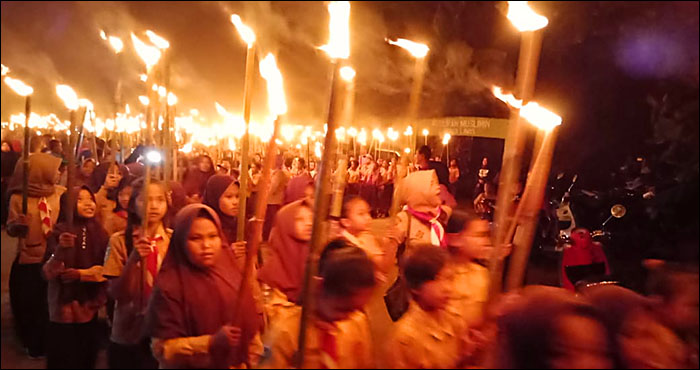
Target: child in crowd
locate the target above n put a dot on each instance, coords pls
(117, 219)
(132, 263)
(191, 315)
(355, 222)
(471, 250)
(550, 328)
(674, 289)
(424, 216)
(27, 287)
(76, 286)
(337, 335)
(106, 195)
(283, 268)
(429, 334)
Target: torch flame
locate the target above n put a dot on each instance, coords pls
(221, 110)
(275, 86)
(143, 77)
(86, 104)
(5, 70)
(416, 49)
(149, 54)
(103, 35)
(532, 112)
(347, 73)
(540, 117)
(69, 97)
(524, 18)
(162, 92)
(244, 31)
(18, 86)
(446, 139)
(352, 132)
(425, 132)
(507, 98)
(172, 99)
(116, 43)
(144, 100)
(158, 41)
(339, 41)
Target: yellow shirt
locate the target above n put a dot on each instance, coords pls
(425, 340)
(352, 336)
(128, 313)
(471, 281)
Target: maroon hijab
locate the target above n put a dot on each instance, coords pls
(285, 268)
(189, 301)
(195, 180)
(296, 186)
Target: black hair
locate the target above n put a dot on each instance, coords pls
(123, 183)
(345, 269)
(424, 265)
(346, 205)
(288, 162)
(425, 151)
(133, 216)
(302, 163)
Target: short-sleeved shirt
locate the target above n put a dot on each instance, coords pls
(352, 337)
(424, 340)
(471, 290)
(127, 328)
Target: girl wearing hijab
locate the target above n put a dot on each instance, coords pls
(132, 263)
(283, 270)
(299, 187)
(221, 195)
(190, 317)
(424, 215)
(195, 179)
(76, 288)
(27, 287)
(421, 222)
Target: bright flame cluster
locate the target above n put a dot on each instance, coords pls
(416, 49)
(524, 18)
(532, 112)
(339, 40)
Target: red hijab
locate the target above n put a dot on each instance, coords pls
(189, 301)
(285, 268)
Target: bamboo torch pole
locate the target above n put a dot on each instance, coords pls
(530, 47)
(25, 154)
(25, 90)
(338, 49)
(248, 37)
(245, 141)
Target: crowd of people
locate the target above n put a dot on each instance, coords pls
(409, 296)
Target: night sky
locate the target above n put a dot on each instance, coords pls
(600, 60)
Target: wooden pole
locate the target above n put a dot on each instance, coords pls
(25, 154)
(256, 226)
(167, 124)
(415, 99)
(531, 205)
(245, 141)
(530, 47)
(72, 149)
(321, 210)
